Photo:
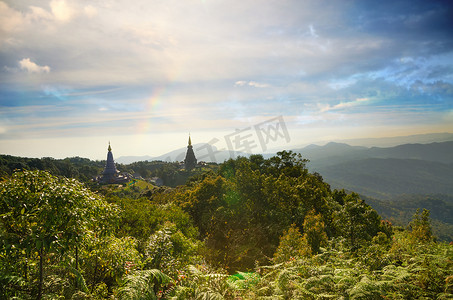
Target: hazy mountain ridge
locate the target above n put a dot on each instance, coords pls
(383, 172)
(400, 140)
(396, 181)
(341, 150)
(401, 209)
(377, 172)
(333, 153)
(201, 153)
(384, 177)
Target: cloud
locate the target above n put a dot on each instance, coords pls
(62, 11)
(358, 101)
(10, 19)
(187, 55)
(27, 65)
(90, 11)
(38, 14)
(343, 105)
(251, 83)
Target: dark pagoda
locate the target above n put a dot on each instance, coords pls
(190, 161)
(111, 174)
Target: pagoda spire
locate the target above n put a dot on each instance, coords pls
(190, 161)
(110, 171)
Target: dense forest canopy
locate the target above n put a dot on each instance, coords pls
(247, 228)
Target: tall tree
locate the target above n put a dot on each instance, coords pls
(357, 221)
(43, 214)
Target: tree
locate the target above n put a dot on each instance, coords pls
(292, 245)
(420, 227)
(356, 221)
(170, 251)
(314, 231)
(42, 214)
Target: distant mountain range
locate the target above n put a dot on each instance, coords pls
(417, 168)
(339, 152)
(400, 140)
(385, 172)
(200, 149)
(401, 209)
(395, 181)
(378, 172)
(220, 156)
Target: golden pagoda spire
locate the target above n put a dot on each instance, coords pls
(110, 148)
(190, 142)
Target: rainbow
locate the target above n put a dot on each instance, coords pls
(152, 104)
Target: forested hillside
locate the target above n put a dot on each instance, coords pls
(87, 170)
(401, 209)
(386, 177)
(384, 173)
(253, 228)
(396, 181)
(82, 169)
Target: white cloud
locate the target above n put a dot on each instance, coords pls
(257, 84)
(90, 11)
(62, 11)
(251, 83)
(27, 65)
(10, 19)
(342, 105)
(351, 103)
(38, 13)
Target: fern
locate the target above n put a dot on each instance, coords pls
(81, 284)
(201, 284)
(304, 292)
(10, 283)
(366, 289)
(208, 295)
(143, 285)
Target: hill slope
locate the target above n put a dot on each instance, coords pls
(382, 178)
(401, 209)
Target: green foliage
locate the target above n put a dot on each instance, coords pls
(200, 282)
(292, 246)
(44, 220)
(420, 227)
(314, 231)
(170, 251)
(75, 167)
(107, 259)
(242, 212)
(374, 255)
(58, 240)
(243, 280)
(140, 218)
(357, 221)
(144, 285)
(336, 274)
(401, 209)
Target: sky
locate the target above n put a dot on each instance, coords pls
(241, 75)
